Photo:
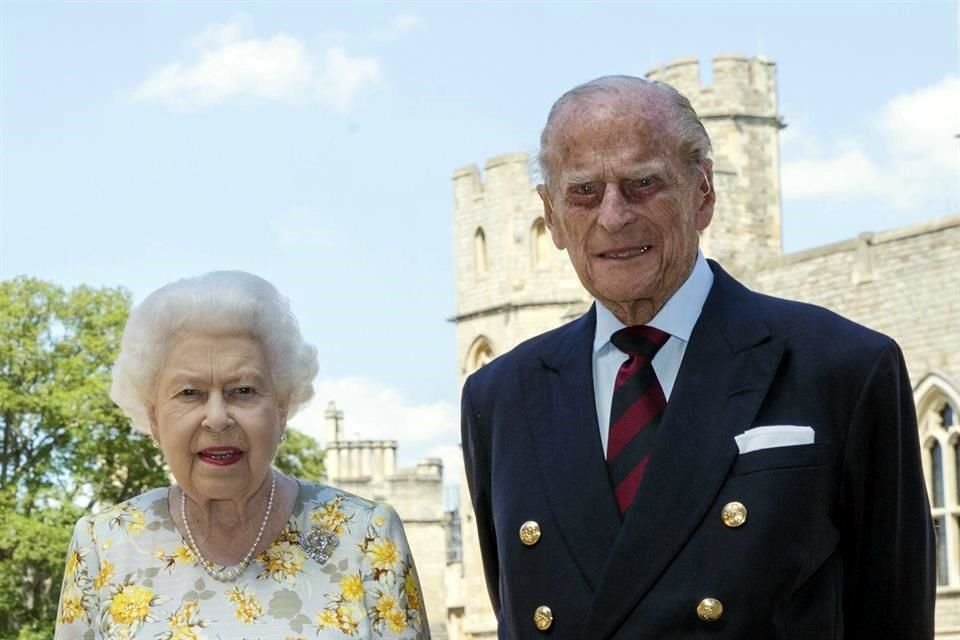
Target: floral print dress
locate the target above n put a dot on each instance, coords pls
(130, 574)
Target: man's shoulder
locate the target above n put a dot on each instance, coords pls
(798, 322)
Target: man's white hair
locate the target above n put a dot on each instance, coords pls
(688, 129)
(220, 302)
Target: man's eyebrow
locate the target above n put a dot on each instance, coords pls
(639, 170)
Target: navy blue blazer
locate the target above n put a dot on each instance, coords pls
(838, 541)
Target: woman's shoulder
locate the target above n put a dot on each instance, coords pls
(315, 495)
(332, 508)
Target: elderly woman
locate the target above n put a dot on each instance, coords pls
(212, 368)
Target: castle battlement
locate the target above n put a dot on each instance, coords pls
(503, 176)
(742, 86)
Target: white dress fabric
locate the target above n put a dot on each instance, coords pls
(130, 574)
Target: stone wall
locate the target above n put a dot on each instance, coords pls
(904, 283)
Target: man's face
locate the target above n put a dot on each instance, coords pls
(625, 205)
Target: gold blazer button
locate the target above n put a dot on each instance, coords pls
(709, 609)
(543, 618)
(530, 533)
(734, 514)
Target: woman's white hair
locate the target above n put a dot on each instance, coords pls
(217, 302)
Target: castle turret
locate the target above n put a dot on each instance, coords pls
(739, 110)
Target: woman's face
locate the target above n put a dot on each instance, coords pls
(217, 416)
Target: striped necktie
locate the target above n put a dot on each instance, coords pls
(638, 404)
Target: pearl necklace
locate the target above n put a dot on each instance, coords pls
(227, 574)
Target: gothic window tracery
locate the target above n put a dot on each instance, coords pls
(940, 435)
(480, 353)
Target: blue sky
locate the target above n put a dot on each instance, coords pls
(313, 144)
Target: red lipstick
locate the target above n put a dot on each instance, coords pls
(220, 456)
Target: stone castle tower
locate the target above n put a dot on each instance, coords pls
(739, 110)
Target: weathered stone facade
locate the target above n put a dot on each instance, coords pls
(905, 283)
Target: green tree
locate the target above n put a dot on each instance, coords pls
(65, 446)
(301, 457)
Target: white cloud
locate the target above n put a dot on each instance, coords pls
(227, 65)
(344, 76)
(849, 173)
(398, 27)
(924, 123)
(916, 158)
(375, 411)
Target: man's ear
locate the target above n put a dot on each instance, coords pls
(707, 194)
(551, 219)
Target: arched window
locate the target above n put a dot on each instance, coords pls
(480, 252)
(479, 354)
(539, 243)
(936, 474)
(937, 403)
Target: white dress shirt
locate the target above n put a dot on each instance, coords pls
(677, 317)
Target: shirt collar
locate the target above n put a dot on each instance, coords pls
(677, 317)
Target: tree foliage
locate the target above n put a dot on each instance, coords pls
(65, 447)
(300, 457)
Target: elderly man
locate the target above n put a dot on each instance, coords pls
(689, 459)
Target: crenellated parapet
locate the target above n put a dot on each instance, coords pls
(738, 107)
(741, 86)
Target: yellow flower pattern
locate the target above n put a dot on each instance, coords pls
(248, 608)
(352, 588)
(130, 575)
(383, 554)
(103, 578)
(131, 605)
(411, 585)
(282, 560)
(396, 620)
(182, 555)
(185, 623)
(387, 582)
(75, 560)
(71, 606)
(331, 517)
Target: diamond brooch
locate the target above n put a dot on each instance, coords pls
(319, 544)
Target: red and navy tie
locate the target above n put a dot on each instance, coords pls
(638, 404)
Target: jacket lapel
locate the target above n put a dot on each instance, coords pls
(561, 413)
(727, 368)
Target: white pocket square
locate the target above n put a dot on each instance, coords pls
(781, 435)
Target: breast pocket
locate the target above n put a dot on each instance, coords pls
(804, 455)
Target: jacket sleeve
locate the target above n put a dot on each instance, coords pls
(79, 609)
(476, 462)
(887, 534)
(393, 597)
